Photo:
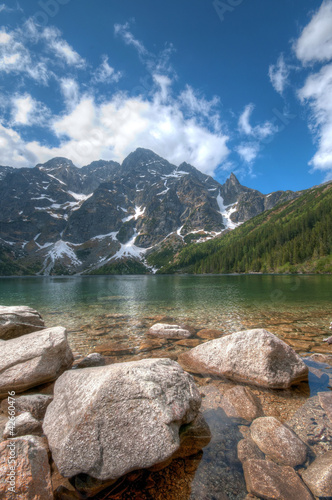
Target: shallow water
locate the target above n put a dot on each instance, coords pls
(112, 314)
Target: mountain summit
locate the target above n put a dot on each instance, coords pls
(56, 218)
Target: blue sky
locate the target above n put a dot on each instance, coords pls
(234, 85)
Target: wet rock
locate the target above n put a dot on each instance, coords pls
(268, 480)
(33, 359)
(252, 356)
(25, 423)
(248, 450)
(313, 426)
(318, 476)
(167, 331)
(211, 397)
(240, 402)
(33, 477)
(151, 344)
(114, 349)
(19, 320)
(321, 358)
(36, 404)
(325, 400)
(188, 342)
(135, 411)
(210, 334)
(193, 437)
(278, 442)
(93, 359)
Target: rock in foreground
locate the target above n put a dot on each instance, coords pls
(19, 320)
(253, 356)
(33, 476)
(108, 421)
(34, 359)
(318, 476)
(168, 331)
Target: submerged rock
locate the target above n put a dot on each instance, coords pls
(278, 442)
(108, 421)
(269, 480)
(318, 476)
(169, 331)
(34, 359)
(253, 356)
(241, 402)
(33, 475)
(19, 320)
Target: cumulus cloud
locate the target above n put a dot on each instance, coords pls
(278, 74)
(248, 151)
(70, 91)
(315, 41)
(28, 111)
(105, 73)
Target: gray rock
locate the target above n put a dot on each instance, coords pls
(268, 480)
(241, 402)
(34, 359)
(19, 320)
(93, 359)
(325, 400)
(131, 411)
(318, 476)
(169, 331)
(36, 404)
(248, 450)
(33, 475)
(25, 424)
(278, 442)
(253, 356)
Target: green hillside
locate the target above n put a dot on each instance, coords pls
(294, 237)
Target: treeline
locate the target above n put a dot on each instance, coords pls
(293, 237)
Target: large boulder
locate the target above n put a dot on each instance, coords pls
(318, 476)
(166, 331)
(30, 477)
(107, 421)
(253, 356)
(34, 359)
(19, 320)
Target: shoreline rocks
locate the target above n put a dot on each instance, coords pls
(16, 321)
(252, 356)
(34, 359)
(132, 410)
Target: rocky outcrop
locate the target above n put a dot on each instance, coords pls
(129, 410)
(32, 478)
(166, 331)
(34, 359)
(19, 320)
(278, 442)
(318, 476)
(268, 480)
(253, 356)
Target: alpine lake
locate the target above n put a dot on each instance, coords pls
(112, 314)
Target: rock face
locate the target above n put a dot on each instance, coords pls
(169, 331)
(33, 475)
(131, 411)
(35, 404)
(268, 480)
(253, 356)
(34, 359)
(25, 423)
(19, 320)
(278, 442)
(318, 476)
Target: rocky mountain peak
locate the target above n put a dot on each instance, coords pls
(56, 163)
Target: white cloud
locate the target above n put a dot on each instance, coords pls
(317, 91)
(61, 48)
(248, 151)
(27, 111)
(123, 31)
(70, 91)
(278, 74)
(315, 42)
(105, 73)
(260, 132)
(4, 37)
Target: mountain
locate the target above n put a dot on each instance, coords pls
(294, 237)
(105, 217)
